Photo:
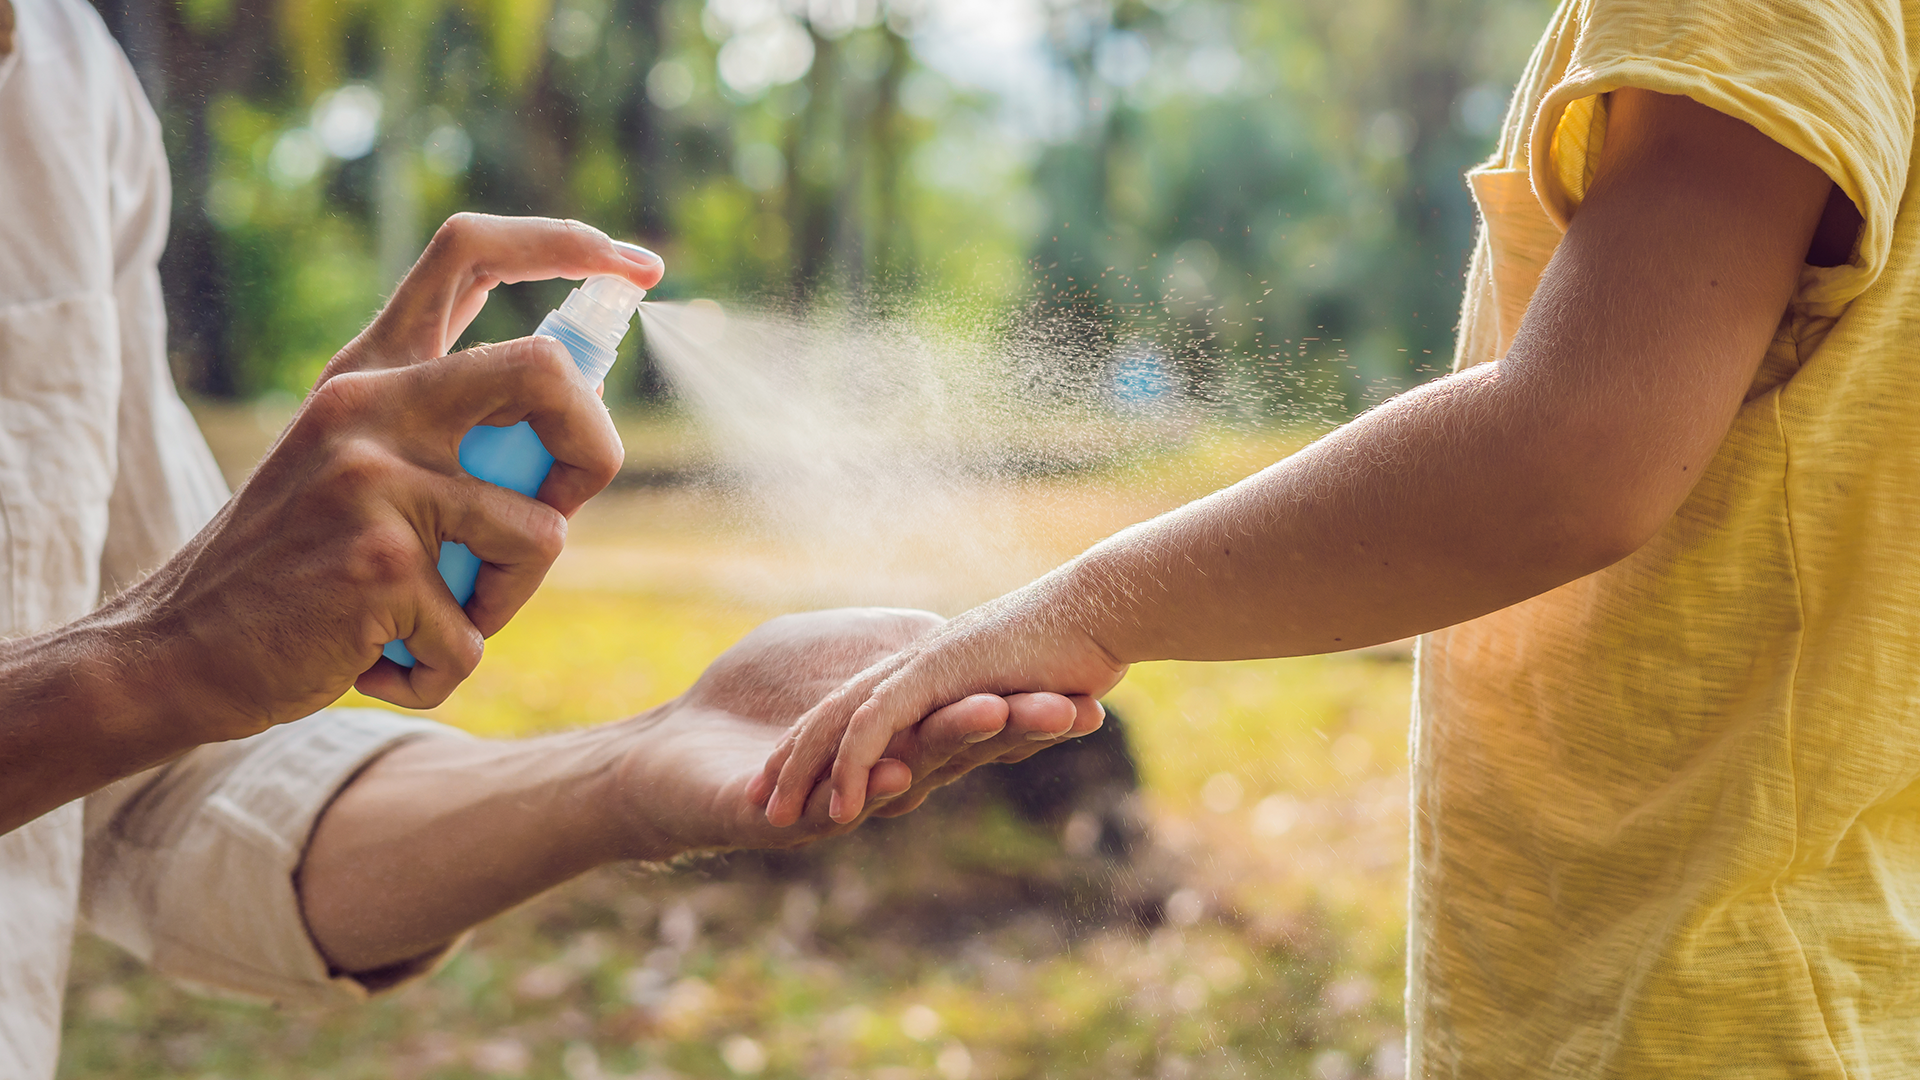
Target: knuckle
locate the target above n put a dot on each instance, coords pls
(436, 693)
(585, 231)
(453, 233)
(548, 360)
(546, 530)
(604, 462)
(531, 369)
(383, 558)
(339, 401)
(460, 242)
(467, 653)
(358, 465)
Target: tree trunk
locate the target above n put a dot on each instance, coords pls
(396, 195)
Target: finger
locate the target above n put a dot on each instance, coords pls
(894, 705)
(516, 539)
(810, 744)
(806, 760)
(1088, 715)
(866, 737)
(942, 755)
(532, 379)
(814, 823)
(950, 730)
(953, 740)
(471, 254)
(760, 788)
(1040, 717)
(890, 779)
(445, 646)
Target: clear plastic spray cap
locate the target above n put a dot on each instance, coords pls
(600, 311)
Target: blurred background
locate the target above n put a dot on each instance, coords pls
(1169, 164)
(1258, 204)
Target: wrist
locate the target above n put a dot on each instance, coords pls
(582, 805)
(626, 794)
(1089, 600)
(156, 671)
(78, 718)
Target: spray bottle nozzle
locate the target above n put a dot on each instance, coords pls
(593, 320)
(616, 294)
(604, 305)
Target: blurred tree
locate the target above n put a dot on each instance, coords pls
(185, 54)
(1262, 200)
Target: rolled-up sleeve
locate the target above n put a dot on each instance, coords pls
(191, 866)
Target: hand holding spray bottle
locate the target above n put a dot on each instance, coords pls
(590, 324)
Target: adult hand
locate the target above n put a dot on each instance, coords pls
(458, 830)
(687, 780)
(1025, 641)
(330, 548)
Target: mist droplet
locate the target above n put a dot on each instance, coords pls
(706, 322)
(920, 1023)
(1222, 793)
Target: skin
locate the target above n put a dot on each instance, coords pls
(1461, 497)
(328, 550)
(440, 834)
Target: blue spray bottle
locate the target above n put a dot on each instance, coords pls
(590, 324)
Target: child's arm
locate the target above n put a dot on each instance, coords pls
(1455, 499)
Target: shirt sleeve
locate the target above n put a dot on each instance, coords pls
(1830, 80)
(191, 866)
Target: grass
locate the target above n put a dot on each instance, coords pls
(1261, 933)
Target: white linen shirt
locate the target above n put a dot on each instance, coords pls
(102, 476)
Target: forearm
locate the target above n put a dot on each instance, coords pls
(1449, 502)
(81, 707)
(440, 834)
(1487, 487)
(1477, 491)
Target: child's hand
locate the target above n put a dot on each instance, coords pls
(1022, 642)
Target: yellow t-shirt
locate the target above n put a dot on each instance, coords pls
(1667, 817)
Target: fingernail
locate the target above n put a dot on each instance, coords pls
(1041, 736)
(978, 737)
(833, 807)
(636, 253)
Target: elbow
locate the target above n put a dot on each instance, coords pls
(1609, 542)
(1601, 532)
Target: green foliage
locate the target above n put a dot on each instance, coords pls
(1264, 196)
(298, 272)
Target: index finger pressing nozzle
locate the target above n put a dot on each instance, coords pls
(590, 324)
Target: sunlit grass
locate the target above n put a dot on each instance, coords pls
(573, 658)
(960, 944)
